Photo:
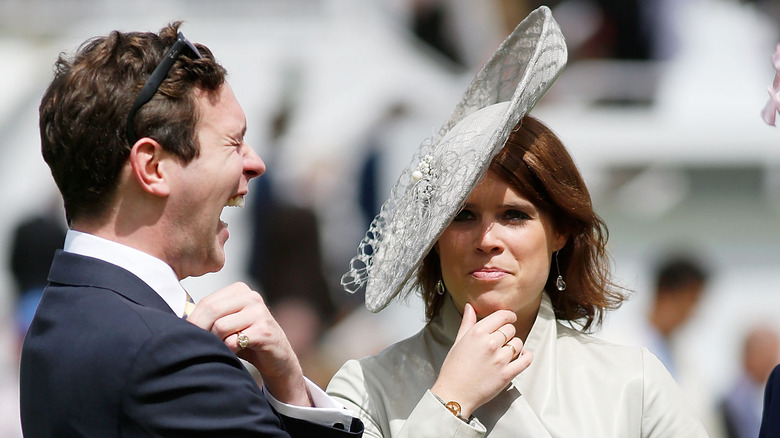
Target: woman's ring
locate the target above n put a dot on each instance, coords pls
(506, 338)
(243, 340)
(514, 352)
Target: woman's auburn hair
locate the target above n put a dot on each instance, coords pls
(535, 162)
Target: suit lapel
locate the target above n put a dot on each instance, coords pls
(78, 270)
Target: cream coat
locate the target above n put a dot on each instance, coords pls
(577, 386)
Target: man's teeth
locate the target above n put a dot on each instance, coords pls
(236, 201)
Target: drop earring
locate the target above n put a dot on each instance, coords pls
(559, 283)
(440, 287)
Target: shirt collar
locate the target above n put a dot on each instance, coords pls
(151, 270)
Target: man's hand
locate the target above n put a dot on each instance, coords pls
(238, 309)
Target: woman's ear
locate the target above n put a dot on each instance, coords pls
(560, 241)
(149, 164)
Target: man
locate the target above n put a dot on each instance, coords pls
(680, 281)
(145, 141)
(740, 407)
(770, 418)
(680, 284)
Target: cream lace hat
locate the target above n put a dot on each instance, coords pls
(448, 165)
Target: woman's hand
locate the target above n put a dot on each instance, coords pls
(484, 359)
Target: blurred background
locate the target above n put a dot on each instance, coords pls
(659, 106)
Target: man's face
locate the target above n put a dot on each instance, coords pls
(216, 178)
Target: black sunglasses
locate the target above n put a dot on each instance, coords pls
(156, 78)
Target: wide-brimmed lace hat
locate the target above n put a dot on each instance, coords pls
(448, 165)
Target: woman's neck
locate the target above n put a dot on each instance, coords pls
(525, 320)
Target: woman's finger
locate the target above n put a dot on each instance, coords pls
(468, 321)
(497, 319)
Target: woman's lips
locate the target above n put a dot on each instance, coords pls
(488, 273)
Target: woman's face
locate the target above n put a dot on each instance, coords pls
(496, 253)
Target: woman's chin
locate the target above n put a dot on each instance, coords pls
(483, 308)
(487, 304)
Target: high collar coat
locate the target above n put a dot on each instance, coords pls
(577, 386)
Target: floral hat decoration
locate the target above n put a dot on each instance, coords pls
(448, 165)
(773, 105)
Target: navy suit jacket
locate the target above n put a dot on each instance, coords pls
(770, 423)
(106, 357)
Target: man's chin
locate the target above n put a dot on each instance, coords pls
(214, 264)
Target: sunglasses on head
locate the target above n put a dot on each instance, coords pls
(156, 78)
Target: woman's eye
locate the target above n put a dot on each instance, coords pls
(463, 215)
(515, 215)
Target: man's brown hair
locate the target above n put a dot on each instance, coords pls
(84, 111)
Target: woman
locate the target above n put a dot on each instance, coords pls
(770, 418)
(510, 269)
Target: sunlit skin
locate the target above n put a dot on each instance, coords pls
(201, 188)
(496, 253)
(171, 209)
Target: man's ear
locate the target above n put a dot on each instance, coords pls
(149, 163)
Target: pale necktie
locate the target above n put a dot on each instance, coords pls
(189, 305)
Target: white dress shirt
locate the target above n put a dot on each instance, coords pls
(151, 270)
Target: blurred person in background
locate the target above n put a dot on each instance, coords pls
(680, 282)
(285, 257)
(33, 243)
(769, 7)
(770, 417)
(431, 22)
(678, 286)
(145, 141)
(493, 224)
(741, 406)
(632, 30)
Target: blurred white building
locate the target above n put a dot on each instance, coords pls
(683, 160)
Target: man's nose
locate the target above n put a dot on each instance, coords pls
(253, 164)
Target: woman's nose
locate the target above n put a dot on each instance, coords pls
(489, 240)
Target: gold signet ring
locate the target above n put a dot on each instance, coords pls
(243, 340)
